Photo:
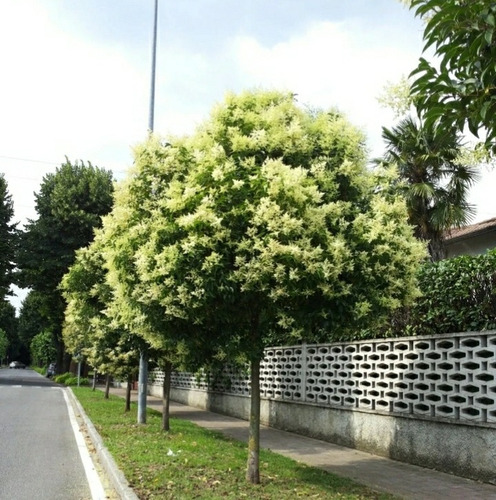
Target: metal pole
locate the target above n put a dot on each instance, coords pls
(154, 61)
(142, 383)
(143, 364)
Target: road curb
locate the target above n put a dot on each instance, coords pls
(116, 476)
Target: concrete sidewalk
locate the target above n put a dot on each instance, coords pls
(381, 474)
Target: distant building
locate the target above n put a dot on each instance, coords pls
(475, 239)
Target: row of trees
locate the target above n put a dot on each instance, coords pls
(263, 227)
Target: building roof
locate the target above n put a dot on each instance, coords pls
(472, 230)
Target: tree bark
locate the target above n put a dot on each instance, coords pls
(107, 385)
(253, 467)
(128, 392)
(95, 375)
(437, 249)
(166, 396)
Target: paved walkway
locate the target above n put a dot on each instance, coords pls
(381, 474)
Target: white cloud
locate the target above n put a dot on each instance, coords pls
(61, 95)
(482, 195)
(331, 64)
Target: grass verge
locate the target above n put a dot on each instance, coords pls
(190, 462)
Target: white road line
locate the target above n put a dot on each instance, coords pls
(31, 387)
(96, 487)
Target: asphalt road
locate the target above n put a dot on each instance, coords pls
(39, 456)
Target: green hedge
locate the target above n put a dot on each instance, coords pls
(458, 295)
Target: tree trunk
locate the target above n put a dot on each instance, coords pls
(128, 392)
(253, 468)
(66, 367)
(95, 376)
(107, 385)
(166, 396)
(437, 249)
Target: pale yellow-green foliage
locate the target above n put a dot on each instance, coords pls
(397, 97)
(267, 209)
(87, 328)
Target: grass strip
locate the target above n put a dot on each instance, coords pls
(190, 462)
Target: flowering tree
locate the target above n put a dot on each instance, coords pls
(88, 330)
(263, 226)
(126, 230)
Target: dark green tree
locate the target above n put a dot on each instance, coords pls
(70, 205)
(32, 318)
(43, 349)
(434, 181)
(8, 239)
(8, 323)
(4, 345)
(459, 87)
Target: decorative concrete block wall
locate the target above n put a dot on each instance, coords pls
(443, 377)
(429, 401)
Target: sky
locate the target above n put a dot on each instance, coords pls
(75, 76)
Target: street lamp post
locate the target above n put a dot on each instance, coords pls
(154, 62)
(143, 364)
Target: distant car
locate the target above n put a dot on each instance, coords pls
(17, 364)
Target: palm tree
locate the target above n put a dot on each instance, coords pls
(435, 184)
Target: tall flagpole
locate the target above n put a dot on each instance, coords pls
(143, 363)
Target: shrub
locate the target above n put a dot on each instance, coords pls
(83, 381)
(70, 379)
(62, 378)
(458, 295)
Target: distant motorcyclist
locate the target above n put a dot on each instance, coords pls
(51, 370)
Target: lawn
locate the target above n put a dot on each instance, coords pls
(190, 462)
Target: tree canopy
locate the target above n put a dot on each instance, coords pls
(42, 348)
(69, 205)
(271, 207)
(459, 87)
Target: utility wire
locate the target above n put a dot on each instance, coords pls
(28, 160)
